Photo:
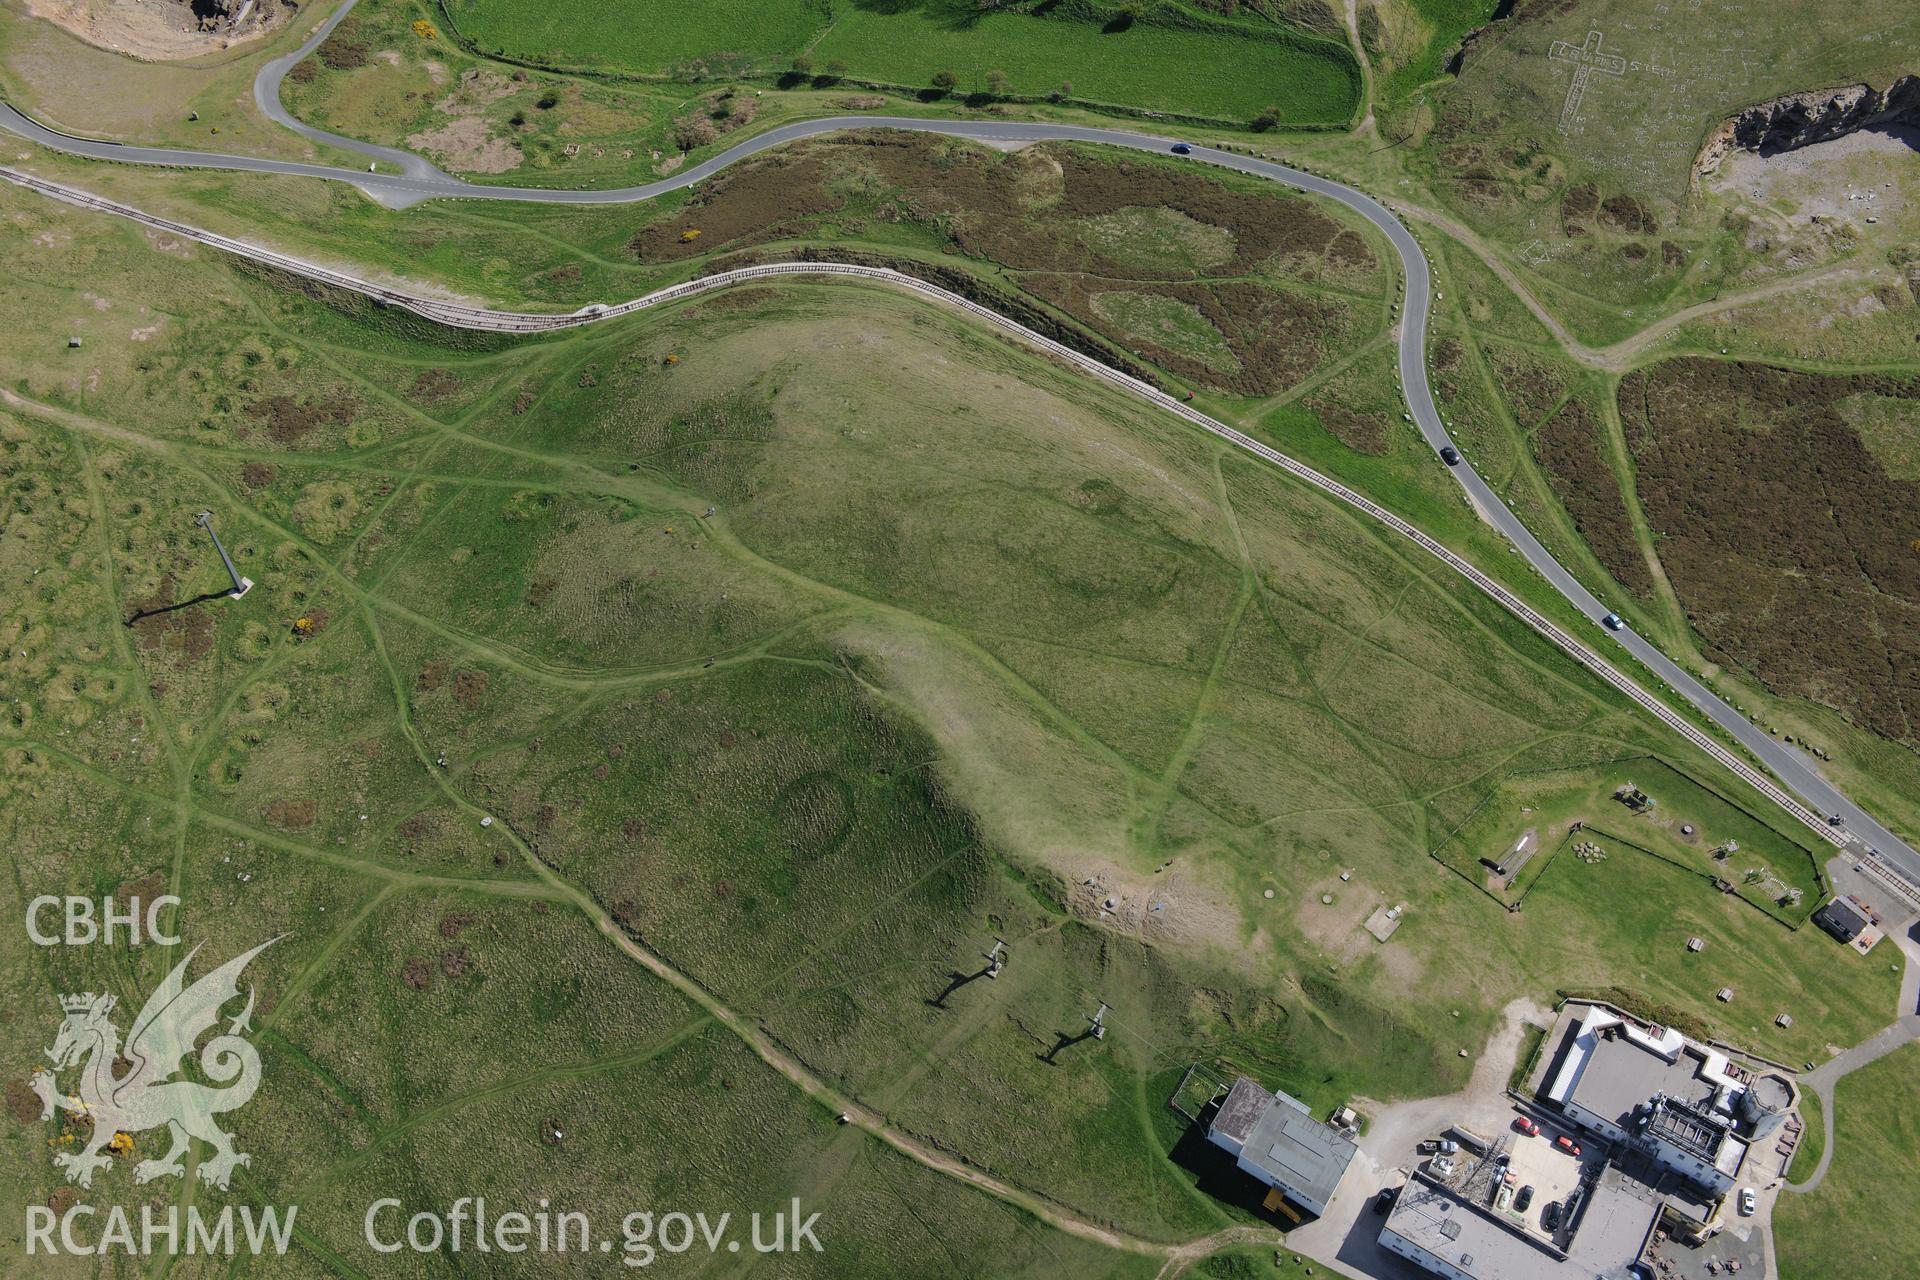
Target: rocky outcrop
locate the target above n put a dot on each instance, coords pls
(1802, 119)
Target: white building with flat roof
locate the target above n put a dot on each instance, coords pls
(1273, 1137)
(1687, 1106)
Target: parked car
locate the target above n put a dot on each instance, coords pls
(1449, 455)
(1612, 622)
(1526, 1125)
(1567, 1145)
(1524, 1200)
(1448, 1146)
(1748, 1202)
(1550, 1216)
(1384, 1200)
(1182, 149)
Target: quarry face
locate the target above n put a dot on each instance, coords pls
(165, 30)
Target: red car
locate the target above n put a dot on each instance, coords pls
(1524, 1125)
(1567, 1145)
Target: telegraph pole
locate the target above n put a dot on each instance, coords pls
(240, 585)
(1098, 1019)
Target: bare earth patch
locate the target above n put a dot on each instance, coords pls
(463, 144)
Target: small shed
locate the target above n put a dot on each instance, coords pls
(1844, 918)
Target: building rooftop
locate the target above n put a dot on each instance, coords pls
(1700, 1133)
(1614, 1225)
(1454, 1231)
(1291, 1145)
(1843, 917)
(1620, 1074)
(1245, 1103)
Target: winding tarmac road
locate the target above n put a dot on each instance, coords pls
(1806, 794)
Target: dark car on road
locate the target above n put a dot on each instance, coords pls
(1523, 1200)
(1550, 1217)
(1384, 1201)
(1182, 149)
(1450, 455)
(1612, 622)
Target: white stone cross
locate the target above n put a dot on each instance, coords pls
(1586, 60)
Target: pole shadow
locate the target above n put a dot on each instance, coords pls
(955, 981)
(1064, 1041)
(142, 615)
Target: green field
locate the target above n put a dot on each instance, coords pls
(1858, 1222)
(1161, 69)
(1190, 65)
(1775, 871)
(650, 36)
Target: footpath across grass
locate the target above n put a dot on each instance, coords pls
(1861, 1221)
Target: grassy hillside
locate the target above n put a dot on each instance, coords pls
(807, 638)
(1410, 41)
(1592, 195)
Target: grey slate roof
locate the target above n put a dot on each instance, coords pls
(1841, 919)
(1246, 1102)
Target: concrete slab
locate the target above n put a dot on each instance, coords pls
(1385, 920)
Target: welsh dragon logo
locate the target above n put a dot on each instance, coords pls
(145, 1095)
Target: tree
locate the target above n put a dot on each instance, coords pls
(945, 81)
(998, 83)
(1064, 92)
(1268, 119)
(802, 65)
